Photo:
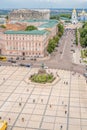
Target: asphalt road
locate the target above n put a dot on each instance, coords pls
(62, 58)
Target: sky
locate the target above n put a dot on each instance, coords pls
(43, 4)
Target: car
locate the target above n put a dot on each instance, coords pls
(60, 52)
(23, 58)
(3, 125)
(14, 64)
(17, 58)
(73, 50)
(28, 65)
(9, 60)
(45, 67)
(13, 61)
(21, 64)
(85, 74)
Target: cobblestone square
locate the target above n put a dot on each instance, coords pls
(24, 106)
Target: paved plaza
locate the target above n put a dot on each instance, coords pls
(36, 107)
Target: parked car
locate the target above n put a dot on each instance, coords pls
(60, 52)
(85, 74)
(9, 60)
(17, 58)
(14, 64)
(45, 67)
(21, 64)
(13, 61)
(28, 65)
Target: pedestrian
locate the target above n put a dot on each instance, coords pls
(65, 105)
(27, 90)
(9, 119)
(21, 99)
(42, 100)
(50, 105)
(62, 102)
(22, 119)
(65, 112)
(61, 126)
(33, 100)
(20, 104)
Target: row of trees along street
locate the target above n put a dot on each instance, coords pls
(54, 42)
(83, 35)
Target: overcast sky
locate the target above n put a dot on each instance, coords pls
(43, 3)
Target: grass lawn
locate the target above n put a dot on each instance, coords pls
(42, 78)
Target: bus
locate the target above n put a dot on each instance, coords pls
(3, 58)
(3, 125)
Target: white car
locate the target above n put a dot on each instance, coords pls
(85, 74)
(45, 67)
(14, 64)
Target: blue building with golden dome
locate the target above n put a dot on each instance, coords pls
(82, 16)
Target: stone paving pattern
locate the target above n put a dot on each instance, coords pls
(29, 107)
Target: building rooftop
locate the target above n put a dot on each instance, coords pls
(36, 20)
(34, 32)
(49, 24)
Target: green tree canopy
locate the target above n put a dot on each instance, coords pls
(83, 35)
(30, 28)
(3, 26)
(60, 28)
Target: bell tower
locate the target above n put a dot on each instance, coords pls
(74, 17)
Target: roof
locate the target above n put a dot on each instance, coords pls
(64, 18)
(49, 24)
(36, 20)
(34, 32)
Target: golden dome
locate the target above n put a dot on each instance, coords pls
(74, 10)
(83, 12)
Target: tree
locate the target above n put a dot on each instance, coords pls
(7, 17)
(65, 15)
(83, 35)
(53, 42)
(51, 46)
(56, 38)
(30, 28)
(3, 26)
(83, 32)
(55, 17)
(60, 29)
